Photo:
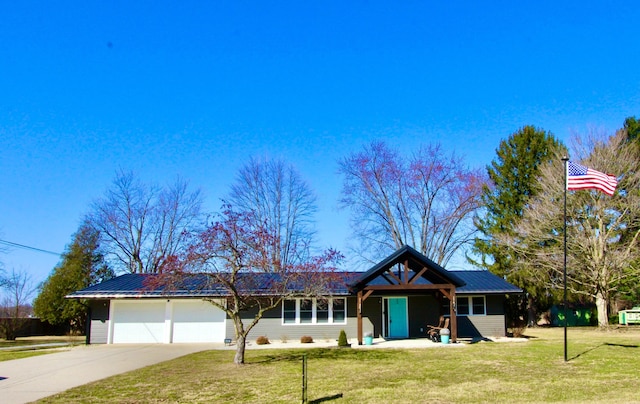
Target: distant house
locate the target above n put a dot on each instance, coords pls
(397, 298)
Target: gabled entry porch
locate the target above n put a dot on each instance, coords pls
(403, 293)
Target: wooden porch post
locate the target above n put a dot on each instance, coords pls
(453, 315)
(359, 311)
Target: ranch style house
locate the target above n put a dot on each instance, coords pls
(397, 298)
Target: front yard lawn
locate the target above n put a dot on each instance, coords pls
(27, 341)
(33, 346)
(603, 367)
(11, 355)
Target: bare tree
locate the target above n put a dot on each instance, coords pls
(235, 255)
(425, 200)
(15, 304)
(144, 225)
(278, 197)
(602, 231)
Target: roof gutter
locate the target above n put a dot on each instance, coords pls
(98, 296)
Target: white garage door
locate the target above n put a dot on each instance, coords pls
(197, 321)
(138, 321)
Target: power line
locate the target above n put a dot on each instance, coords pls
(26, 247)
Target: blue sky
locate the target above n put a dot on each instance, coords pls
(196, 88)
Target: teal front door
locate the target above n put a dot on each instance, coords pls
(397, 317)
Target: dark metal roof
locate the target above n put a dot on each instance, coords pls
(484, 282)
(195, 285)
(417, 261)
(136, 285)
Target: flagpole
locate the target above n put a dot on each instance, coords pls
(565, 160)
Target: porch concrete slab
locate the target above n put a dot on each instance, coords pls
(29, 379)
(378, 343)
(419, 343)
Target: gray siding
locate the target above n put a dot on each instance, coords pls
(99, 328)
(271, 326)
(493, 324)
(371, 316)
(423, 310)
(481, 326)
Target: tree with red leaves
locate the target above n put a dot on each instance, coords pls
(234, 256)
(426, 200)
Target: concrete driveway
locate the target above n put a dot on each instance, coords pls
(29, 379)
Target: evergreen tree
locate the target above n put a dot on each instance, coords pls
(629, 289)
(632, 127)
(513, 180)
(82, 265)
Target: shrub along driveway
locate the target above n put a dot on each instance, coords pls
(26, 380)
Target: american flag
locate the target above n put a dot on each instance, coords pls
(581, 177)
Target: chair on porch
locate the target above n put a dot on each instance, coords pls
(434, 331)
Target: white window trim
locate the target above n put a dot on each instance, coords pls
(314, 318)
(470, 303)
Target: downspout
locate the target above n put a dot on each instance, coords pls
(359, 312)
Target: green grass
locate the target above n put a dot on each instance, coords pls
(603, 367)
(26, 341)
(26, 347)
(11, 355)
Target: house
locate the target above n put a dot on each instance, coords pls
(397, 298)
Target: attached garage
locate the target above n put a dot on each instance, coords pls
(165, 321)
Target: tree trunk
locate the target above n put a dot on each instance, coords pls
(601, 306)
(240, 345)
(532, 313)
(241, 338)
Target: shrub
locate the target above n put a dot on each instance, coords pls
(342, 338)
(518, 332)
(262, 340)
(306, 339)
(284, 339)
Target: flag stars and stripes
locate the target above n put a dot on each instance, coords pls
(581, 177)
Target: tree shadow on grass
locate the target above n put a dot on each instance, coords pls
(475, 340)
(328, 398)
(622, 345)
(601, 345)
(479, 339)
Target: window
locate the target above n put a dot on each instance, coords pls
(289, 312)
(322, 311)
(339, 311)
(306, 311)
(463, 306)
(478, 305)
(314, 311)
(471, 305)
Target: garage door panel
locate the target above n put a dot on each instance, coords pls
(138, 322)
(197, 321)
